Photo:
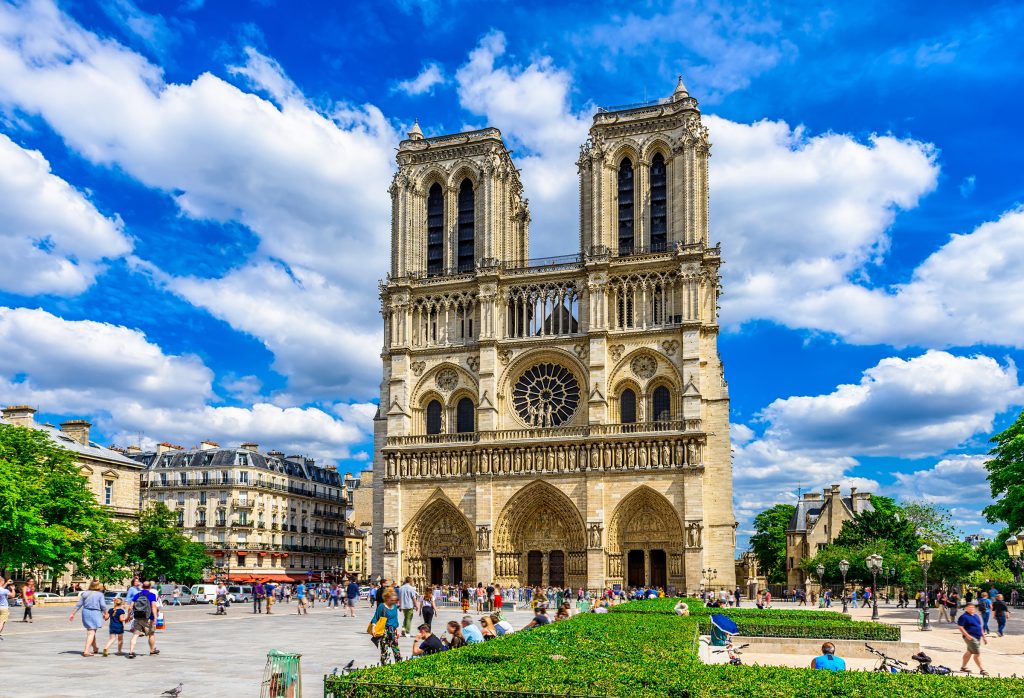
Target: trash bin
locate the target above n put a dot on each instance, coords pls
(282, 677)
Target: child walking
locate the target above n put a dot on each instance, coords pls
(116, 627)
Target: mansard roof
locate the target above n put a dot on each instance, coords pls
(292, 466)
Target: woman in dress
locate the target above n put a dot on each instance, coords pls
(94, 612)
(28, 598)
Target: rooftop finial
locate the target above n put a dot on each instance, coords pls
(680, 90)
(415, 134)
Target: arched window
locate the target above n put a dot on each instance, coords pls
(435, 230)
(626, 207)
(661, 404)
(434, 417)
(659, 204)
(627, 407)
(466, 216)
(464, 416)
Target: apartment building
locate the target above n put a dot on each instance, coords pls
(260, 515)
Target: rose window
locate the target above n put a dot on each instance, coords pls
(546, 395)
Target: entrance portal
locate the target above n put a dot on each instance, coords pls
(535, 568)
(556, 568)
(659, 569)
(635, 576)
(437, 570)
(455, 565)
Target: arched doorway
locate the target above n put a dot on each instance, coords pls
(540, 539)
(439, 545)
(645, 541)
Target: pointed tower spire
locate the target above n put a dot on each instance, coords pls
(680, 91)
(415, 134)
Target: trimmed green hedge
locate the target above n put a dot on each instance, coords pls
(644, 655)
(809, 628)
(667, 607)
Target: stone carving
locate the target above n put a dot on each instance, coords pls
(417, 367)
(594, 536)
(546, 395)
(390, 540)
(694, 529)
(581, 350)
(644, 366)
(483, 538)
(474, 363)
(669, 346)
(616, 351)
(447, 379)
(504, 356)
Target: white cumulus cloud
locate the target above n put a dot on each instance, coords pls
(430, 77)
(52, 238)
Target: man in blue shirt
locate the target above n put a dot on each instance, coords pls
(472, 633)
(828, 661)
(352, 596)
(974, 636)
(985, 606)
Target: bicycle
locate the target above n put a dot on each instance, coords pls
(924, 665)
(887, 664)
(734, 653)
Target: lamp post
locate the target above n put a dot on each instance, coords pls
(820, 569)
(924, 556)
(708, 574)
(874, 566)
(844, 567)
(1015, 546)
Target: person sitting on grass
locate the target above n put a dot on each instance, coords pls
(426, 642)
(827, 660)
(682, 609)
(540, 617)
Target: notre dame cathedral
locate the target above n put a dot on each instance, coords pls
(560, 421)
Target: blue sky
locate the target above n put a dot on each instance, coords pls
(193, 212)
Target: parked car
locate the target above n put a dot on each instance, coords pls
(166, 594)
(204, 593)
(240, 593)
(364, 592)
(111, 595)
(44, 596)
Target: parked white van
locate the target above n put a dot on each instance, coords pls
(166, 594)
(204, 593)
(240, 593)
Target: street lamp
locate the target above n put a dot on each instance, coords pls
(844, 567)
(924, 556)
(874, 566)
(820, 569)
(1015, 546)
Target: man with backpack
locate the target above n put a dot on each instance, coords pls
(143, 612)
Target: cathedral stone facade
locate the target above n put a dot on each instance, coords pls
(559, 421)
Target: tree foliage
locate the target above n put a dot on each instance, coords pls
(48, 515)
(1006, 476)
(769, 541)
(887, 522)
(932, 524)
(908, 572)
(955, 562)
(155, 548)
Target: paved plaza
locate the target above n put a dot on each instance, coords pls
(211, 655)
(224, 656)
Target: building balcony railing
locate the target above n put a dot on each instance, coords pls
(246, 503)
(296, 490)
(241, 524)
(529, 434)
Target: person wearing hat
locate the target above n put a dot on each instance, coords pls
(974, 636)
(827, 660)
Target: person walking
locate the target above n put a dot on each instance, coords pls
(974, 637)
(117, 616)
(352, 596)
(143, 612)
(93, 606)
(940, 598)
(5, 606)
(268, 589)
(222, 600)
(407, 601)
(28, 600)
(427, 609)
(1001, 611)
(388, 642)
(300, 598)
(259, 592)
(985, 607)
(464, 600)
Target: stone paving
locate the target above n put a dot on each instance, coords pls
(211, 655)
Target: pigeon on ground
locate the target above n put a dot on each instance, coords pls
(173, 692)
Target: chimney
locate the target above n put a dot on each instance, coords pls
(276, 454)
(77, 429)
(208, 445)
(853, 493)
(20, 415)
(250, 446)
(165, 447)
(132, 450)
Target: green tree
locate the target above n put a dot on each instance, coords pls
(49, 518)
(769, 541)
(155, 548)
(908, 572)
(954, 562)
(932, 524)
(1006, 476)
(886, 522)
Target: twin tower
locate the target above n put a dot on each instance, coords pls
(563, 421)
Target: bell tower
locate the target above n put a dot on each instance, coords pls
(456, 204)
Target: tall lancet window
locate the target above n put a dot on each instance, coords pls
(435, 230)
(659, 204)
(626, 207)
(466, 220)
